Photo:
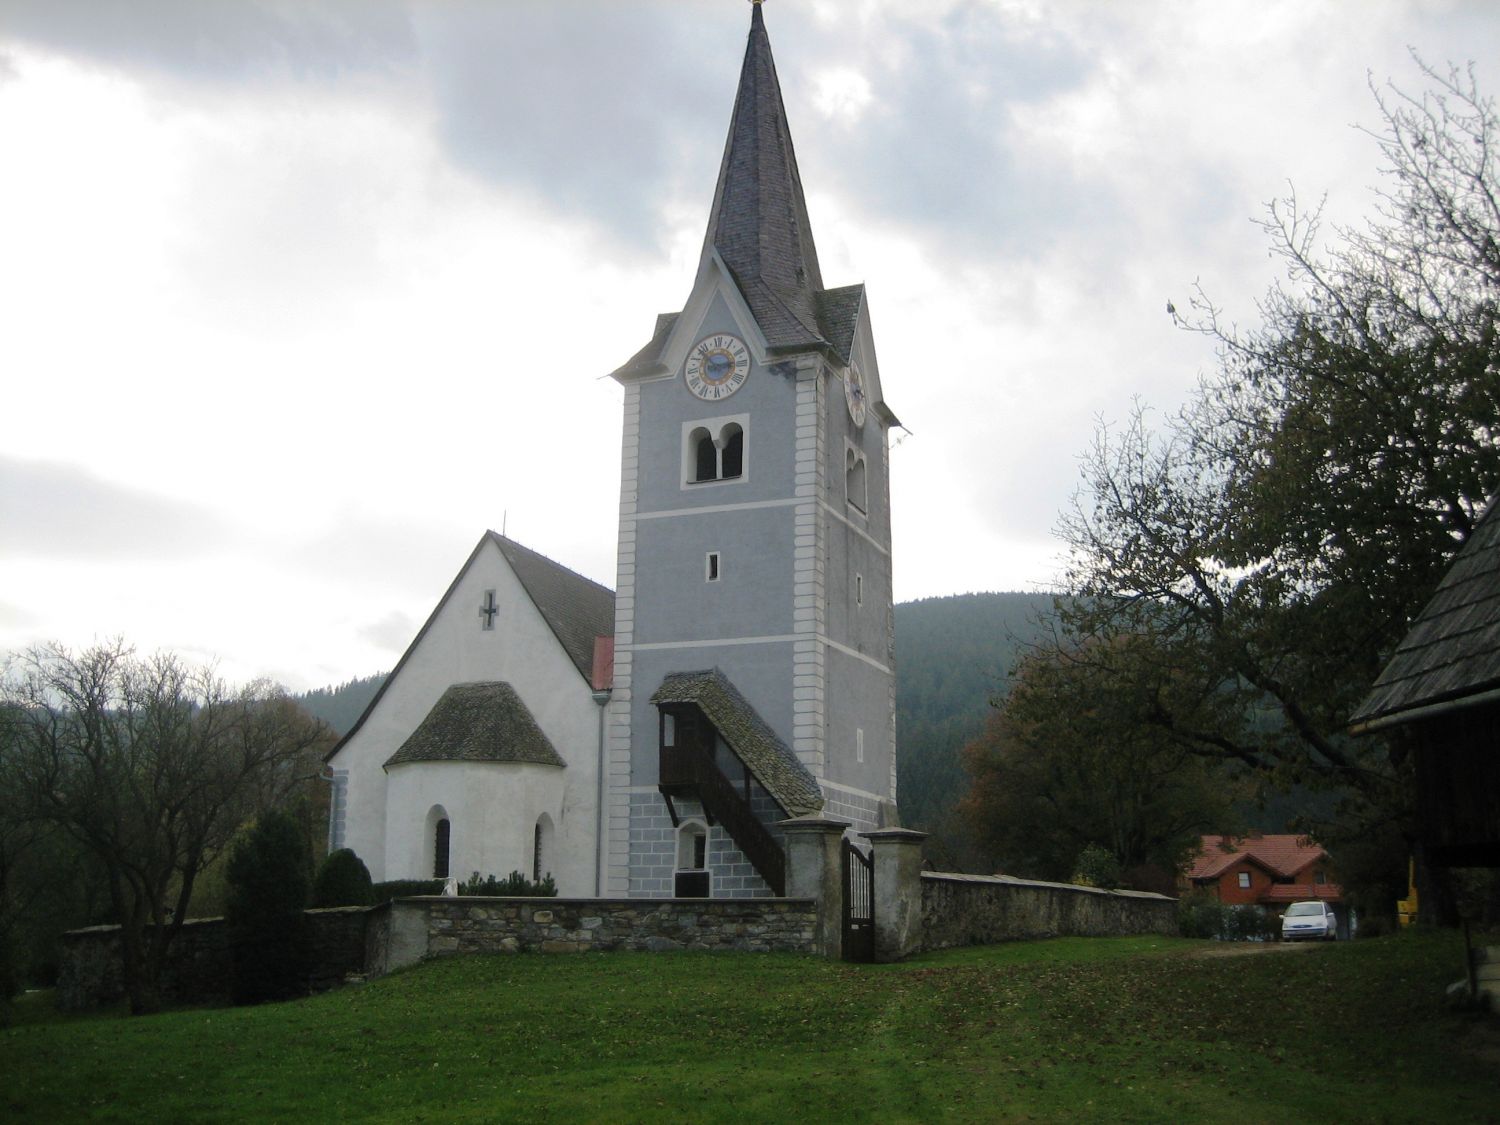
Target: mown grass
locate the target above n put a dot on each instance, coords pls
(1132, 1029)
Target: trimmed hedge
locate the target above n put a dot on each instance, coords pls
(343, 880)
(1203, 916)
(514, 885)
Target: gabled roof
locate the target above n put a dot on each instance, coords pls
(575, 608)
(1282, 855)
(1452, 651)
(484, 722)
(749, 736)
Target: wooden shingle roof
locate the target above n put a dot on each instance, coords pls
(1452, 651)
(749, 736)
(485, 722)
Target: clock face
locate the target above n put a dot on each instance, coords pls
(716, 367)
(854, 394)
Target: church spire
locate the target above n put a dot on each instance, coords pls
(758, 223)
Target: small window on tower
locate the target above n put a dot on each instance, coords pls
(487, 610)
(859, 589)
(711, 567)
(859, 744)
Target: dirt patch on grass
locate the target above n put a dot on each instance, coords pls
(1244, 948)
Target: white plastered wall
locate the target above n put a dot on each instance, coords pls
(492, 812)
(521, 650)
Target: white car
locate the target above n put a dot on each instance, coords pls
(1309, 920)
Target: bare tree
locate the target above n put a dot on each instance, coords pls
(151, 766)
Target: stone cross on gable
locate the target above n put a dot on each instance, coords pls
(488, 609)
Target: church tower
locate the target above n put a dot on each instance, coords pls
(754, 643)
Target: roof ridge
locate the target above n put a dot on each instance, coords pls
(550, 561)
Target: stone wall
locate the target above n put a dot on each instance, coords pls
(198, 969)
(981, 909)
(507, 925)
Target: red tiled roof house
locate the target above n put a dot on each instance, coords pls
(1269, 871)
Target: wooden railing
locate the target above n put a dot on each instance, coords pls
(686, 769)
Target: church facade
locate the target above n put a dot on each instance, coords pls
(745, 674)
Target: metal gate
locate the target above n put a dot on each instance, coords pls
(859, 904)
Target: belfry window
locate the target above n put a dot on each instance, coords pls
(855, 489)
(714, 450)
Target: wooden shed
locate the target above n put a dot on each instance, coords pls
(1443, 685)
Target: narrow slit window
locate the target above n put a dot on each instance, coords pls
(711, 566)
(859, 589)
(442, 836)
(859, 744)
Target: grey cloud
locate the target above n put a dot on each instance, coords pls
(393, 632)
(596, 111)
(220, 42)
(55, 511)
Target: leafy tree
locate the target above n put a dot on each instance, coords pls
(343, 880)
(1269, 546)
(149, 766)
(1070, 764)
(270, 879)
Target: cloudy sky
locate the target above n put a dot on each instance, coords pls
(299, 297)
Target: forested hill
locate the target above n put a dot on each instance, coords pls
(952, 656)
(340, 707)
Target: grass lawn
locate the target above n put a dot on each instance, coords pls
(1130, 1029)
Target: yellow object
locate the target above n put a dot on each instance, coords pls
(1406, 908)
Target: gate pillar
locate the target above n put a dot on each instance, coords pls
(813, 871)
(898, 891)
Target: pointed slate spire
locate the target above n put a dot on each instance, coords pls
(758, 222)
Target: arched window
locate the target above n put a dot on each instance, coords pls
(854, 480)
(705, 456)
(732, 451)
(713, 450)
(541, 848)
(692, 846)
(441, 838)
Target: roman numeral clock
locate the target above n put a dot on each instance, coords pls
(716, 367)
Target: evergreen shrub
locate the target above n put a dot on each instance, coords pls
(1203, 916)
(343, 880)
(269, 878)
(514, 885)
(1097, 867)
